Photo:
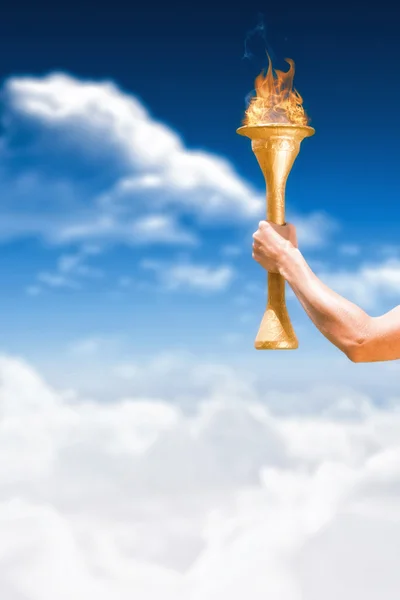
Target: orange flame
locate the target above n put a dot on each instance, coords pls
(276, 100)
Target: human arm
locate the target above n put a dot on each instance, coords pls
(361, 337)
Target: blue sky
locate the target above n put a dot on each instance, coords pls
(128, 200)
(146, 449)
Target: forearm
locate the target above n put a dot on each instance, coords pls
(339, 320)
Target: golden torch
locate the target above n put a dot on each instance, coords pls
(276, 123)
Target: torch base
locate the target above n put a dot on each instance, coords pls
(276, 331)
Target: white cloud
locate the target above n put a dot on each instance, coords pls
(181, 377)
(191, 276)
(313, 230)
(199, 277)
(154, 159)
(33, 290)
(74, 263)
(70, 272)
(367, 284)
(91, 345)
(161, 229)
(138, 497)
(230, 250)
(125, 282)
(349, 249)
(149, 229)
(55, 280)
(388, 250)
(86, 346)
(104, 169)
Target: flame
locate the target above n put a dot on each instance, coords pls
(276, 100)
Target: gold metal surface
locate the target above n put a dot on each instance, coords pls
(276, 147)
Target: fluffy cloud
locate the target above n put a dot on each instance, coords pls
(349, 249)
(83, 160)
(313, 230)
(368, 283)
(91, 346)
(71, 269)
(141, 497)
(189, 276)
(149, 170)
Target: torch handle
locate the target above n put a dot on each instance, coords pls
(276, 283)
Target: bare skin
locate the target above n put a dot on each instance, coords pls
(361, 337)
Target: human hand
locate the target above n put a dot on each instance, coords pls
(271, 243)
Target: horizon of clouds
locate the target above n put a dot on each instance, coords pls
(143, 495)
(110, 365)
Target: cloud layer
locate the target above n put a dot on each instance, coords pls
(141, 497)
